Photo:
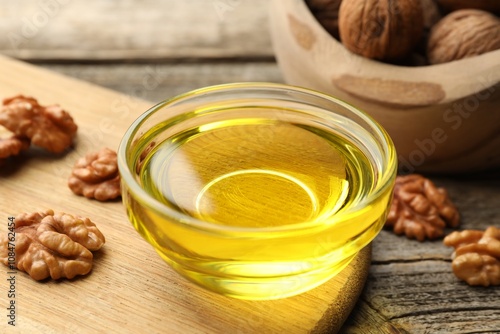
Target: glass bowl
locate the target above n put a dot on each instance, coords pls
(256, 190)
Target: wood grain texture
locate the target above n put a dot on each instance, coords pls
(151, 29)
(157, 81)
(411, 288)
(379, 90)
(130, 287)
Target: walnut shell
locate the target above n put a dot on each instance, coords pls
(431, 13)
(327, 14)
(488, 5)
(463, 33)
(383, 30)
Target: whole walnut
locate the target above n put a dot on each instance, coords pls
(488, 5)
(431, 13)
(327, 14)
(463, 33)
(383, 30)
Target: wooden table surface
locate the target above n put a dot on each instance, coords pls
(154, 49)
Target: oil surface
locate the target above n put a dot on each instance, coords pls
(255, 173)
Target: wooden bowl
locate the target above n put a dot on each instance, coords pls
(443, 118)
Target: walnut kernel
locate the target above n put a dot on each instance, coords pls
(461, 34)
(419, 209)
(381, 30)
(143, 156)
(96, 176)
(49, 127)
(12, 146)
(55, 245)
(476, 259)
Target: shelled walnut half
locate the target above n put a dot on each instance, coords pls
(96, 176)
(12, 146)
(419, 209)
(476, 259)
(50, 127)
(47, 244)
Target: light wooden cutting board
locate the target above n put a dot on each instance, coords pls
(130, 289)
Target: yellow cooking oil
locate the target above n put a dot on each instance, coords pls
(258, 208)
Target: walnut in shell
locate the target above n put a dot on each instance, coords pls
(49, 127)
(487, 5)
(96, 176)
(383, 30)
(327, 14)
(476, 259)
(55, 245)
(431, 13)
(461, 34)
(419, 209)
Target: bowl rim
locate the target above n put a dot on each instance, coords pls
(385, 180)
(453, 77)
